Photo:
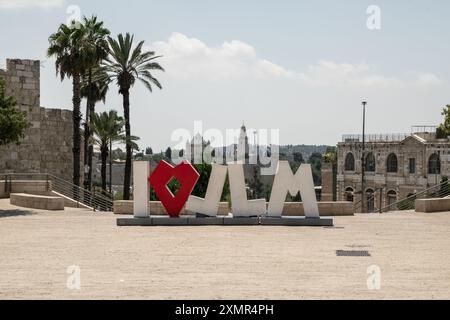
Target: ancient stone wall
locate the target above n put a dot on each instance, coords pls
(56, 128)
(47, 146)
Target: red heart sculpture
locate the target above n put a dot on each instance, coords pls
(186, 175)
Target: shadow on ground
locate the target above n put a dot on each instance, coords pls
(14, 213)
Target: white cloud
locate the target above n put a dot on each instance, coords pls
(190, 58)
(428, 79)
(22, 4)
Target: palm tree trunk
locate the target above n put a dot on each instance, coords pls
(104, 155)
(126, 111)
(76, 128)
(91, 107)
(86, 140)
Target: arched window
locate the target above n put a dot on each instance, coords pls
(434, 164)
(370, 163)
(350, 162)
(349, 194)
(392, 163)
(391, 197)
(370, 200)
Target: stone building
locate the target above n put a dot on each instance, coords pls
(396, 166)
(329, 182)
(47, 146)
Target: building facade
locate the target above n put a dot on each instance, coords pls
(395, 167)
(47, 146)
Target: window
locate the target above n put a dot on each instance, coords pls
(349, 194)
(392, 163)
(370, 163)
(391, 198)
(412, 166)
(434, 164)
(350, 162)
(370, 200)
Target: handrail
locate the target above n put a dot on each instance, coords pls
(438, 191)
(358, 204)
(88, 198)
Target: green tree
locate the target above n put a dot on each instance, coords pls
(202, 185)
(255, 184)
(13, 122)
(68, 46)
(125, 65)
(316, 165)
(107, 128)
(168, 153)
(149, 151)
(94, 84)
(443, 130)
(298, 157)
(330, 157)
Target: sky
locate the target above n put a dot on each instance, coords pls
(302, 67)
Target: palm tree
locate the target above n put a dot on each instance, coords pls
(107, 128)
(72, 60)
(94, 87)
(124, 65)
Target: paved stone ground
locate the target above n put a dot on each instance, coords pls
(36, 247)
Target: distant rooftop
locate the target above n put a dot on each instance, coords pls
(381, 137)
(425, 132)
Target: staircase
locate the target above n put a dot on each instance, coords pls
(74, 195)
(441, 190)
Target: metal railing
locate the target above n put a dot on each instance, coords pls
(441, 190)
(423, 129)
(357, 206)
(386, 137)
(97, 201)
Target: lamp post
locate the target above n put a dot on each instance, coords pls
(110, 165)
(363, 159)
(255, 146)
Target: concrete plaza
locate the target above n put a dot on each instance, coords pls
(36, 248)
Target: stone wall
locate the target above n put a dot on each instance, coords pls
(328, 173)
(56, 143)
(38, 187)
(47, 146)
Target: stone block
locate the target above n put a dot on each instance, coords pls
(205, 221)
(20, 67)
(134, 222)
(164, 221)
(432, 205)
(37, 201)
(241, 221)
(297, 221)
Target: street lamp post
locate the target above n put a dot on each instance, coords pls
(363, 159)
(110, 165)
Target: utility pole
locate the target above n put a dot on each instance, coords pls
(363, 158)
